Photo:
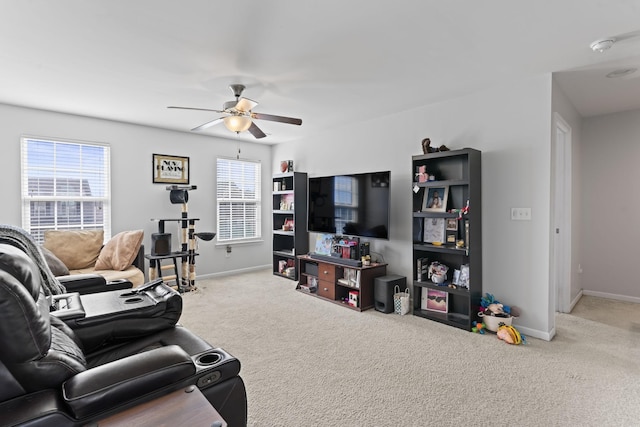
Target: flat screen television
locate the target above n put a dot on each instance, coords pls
(352, 205)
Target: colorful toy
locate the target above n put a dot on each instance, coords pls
(479, 328)
(490, 305)
(510, 335)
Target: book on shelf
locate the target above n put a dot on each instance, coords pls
(422, 269)
(351, 277)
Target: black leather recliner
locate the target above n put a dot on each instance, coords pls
(70, 373)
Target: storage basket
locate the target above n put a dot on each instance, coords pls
(493, 322)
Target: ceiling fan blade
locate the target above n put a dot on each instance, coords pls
(245, 104)
(281, 119)
(198, 109)
(208, 124)
(256, 131)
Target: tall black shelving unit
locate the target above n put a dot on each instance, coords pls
(460, 172)
(289, 207)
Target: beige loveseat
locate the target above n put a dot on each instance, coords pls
(75, 252)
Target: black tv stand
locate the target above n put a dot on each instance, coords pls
(336, 260)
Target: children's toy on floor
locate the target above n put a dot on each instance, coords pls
(478, 327)
(510, 335)
(494, 313)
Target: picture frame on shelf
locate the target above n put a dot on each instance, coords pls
(435, 199)
(437, 300)
(452, 224)
(434, 230)
(170, 169)
(418, 228)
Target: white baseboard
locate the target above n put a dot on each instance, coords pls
(611, 296)
(534, 333)
(232, 272)
(575, 301)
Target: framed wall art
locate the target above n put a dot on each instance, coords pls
(435, 199)
(170, 169)
(434, 230)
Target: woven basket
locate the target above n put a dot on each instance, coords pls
(493, 322)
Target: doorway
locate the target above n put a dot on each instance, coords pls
(561, 251)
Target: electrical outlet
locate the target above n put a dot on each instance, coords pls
(228, 254)
(521, 214)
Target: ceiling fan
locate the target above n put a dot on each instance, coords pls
(239, 115)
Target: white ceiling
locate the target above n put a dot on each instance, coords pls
(330, 63)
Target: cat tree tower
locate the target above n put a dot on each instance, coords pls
(161, 243)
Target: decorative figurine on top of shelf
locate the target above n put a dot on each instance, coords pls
(286, 166)
(427, 148)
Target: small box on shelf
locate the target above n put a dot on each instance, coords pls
(353, 298)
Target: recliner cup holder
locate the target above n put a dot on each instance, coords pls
(208, 359)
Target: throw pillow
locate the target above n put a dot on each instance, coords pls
(77, 249)
(120, 251)
(56, 266)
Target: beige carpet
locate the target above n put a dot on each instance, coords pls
(307, 362)
(620, 314)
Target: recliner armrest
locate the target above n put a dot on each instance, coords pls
(125, 380)
(67, 306)
(91, 283)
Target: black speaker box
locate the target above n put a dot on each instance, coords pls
(383, 289)
(160, 243)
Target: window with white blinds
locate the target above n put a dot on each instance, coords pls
(65, 186)
(238, 200)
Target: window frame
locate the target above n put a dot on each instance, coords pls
(256, 200)
(59, 200)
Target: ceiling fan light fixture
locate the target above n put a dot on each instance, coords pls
(237, 123)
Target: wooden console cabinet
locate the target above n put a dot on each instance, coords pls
(342, 284)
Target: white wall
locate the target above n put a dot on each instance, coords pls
(610, 204)
(511, 126)
(135, 198)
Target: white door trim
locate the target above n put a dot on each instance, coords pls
(562, 192)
